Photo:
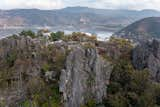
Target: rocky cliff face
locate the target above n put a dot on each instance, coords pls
(25, 68)
(33, 72)
(147, 55)
(12, 87)
(85, 77)
(16, 59)
(70, 73)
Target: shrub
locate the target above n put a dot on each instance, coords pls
(11, 58)
(89, 46)
(35, 85)
(46, 67)
(116, 100)
(140, 81)
(156, 88)
(28, 33)
(25, 103)
(4, 75)
(2, 103)
(129, 87)
(90, 103)
(57, 36)
(116, 49)
(82, 37)
(114, 87)
(59, 61)
(121, 42)
(14, 36)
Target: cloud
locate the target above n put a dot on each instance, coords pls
(40, 4)
(105, 4)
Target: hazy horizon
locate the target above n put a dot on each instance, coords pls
(99, 4)
(75, 7)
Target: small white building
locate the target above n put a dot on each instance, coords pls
(45, 33)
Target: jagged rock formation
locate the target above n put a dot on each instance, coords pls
(36, 72)
(13, 64)
(85, 77)
(30, 70)
(147, 55)
(24, 69)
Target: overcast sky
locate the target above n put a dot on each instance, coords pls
(105, 4)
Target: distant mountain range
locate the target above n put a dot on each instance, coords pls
(74, 18)
(147, 28)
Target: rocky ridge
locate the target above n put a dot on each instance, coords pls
(141, 30)
(78, 71)
(31, 67)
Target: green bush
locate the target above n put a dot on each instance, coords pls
(114, 87)
(89, 46)
(82, 37)
(46, 67)
(11, 58)
(25, 103)
(116, 100)
(42, 94)
(57, 36)
(28, 33)
(129, 87)
(59, 61)
(90, 103)
(14, 36)
(2, 103)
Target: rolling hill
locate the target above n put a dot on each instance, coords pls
(147, 28)
(74, 18)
